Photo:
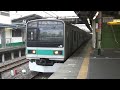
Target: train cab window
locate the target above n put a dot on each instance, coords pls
(32, 25)
(49, 33)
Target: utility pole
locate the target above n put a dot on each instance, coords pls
(3, 40)
(94, 34)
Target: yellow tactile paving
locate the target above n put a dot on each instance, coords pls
(84, 68)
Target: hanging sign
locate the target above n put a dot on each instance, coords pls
(96, 25)
(114, 22)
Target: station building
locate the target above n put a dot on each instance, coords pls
(13, 36)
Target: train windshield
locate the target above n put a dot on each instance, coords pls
(46, 33)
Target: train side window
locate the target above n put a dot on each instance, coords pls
(79, 35)
(67, 35)
(75, 36)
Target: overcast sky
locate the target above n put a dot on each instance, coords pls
(18, 14)
(14, 15)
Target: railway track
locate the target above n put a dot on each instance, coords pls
(12, 65)
(34, 75)
(42, 76)
(17, 63)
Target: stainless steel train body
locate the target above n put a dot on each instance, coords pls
(51, 42)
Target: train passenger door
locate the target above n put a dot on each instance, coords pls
(71, 40)
(68, 44)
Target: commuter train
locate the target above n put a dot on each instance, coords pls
(50, 42)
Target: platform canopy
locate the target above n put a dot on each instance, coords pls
(7, 26)
(83, 15)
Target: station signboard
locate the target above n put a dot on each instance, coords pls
(114, 22)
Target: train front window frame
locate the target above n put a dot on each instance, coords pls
(32, 24)
(49, 32)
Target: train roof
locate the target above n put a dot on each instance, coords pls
(46, 19)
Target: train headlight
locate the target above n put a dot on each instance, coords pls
(33, 51)
(57, 52)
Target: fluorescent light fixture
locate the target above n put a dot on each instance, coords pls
(95, 15)
(88, 20)
(91, 33)
(91, 27)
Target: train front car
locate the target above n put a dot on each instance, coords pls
(45, 44)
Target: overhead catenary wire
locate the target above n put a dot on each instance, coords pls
(48, 13)
(58, 17)
(54, 13)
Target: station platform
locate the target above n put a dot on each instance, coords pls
(11, 48)
(105, 66)
(85, 63)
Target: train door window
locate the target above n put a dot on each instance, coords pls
(32, 34)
